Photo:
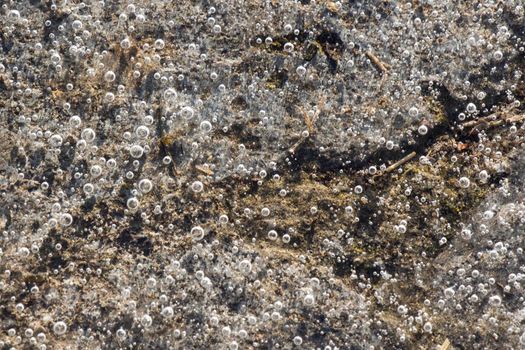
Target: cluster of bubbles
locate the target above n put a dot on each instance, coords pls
(135, 123)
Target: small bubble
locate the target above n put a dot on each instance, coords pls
(464, 182)
(132, 203)
(55, 140)
(136, 151)
(197, 186)
(272, 235)
(77, 25)
(187, 112)
(301, 70)
(167, 312)
(109, 76)
(206, 126)
(197, 233)
(146, 321)
(88, 135)
(471, 108)
(498, 55)
(288, 47)
(145, 185)
(59, 328)
(309, 300)
(66, 220)
(159, 44)
(142, 132)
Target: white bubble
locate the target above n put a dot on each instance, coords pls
(121, 334)
(223, 219)
(170, 94)
(449, 292)
(197, 186)
(146, 321)
(145, 185)
(495, 300)
(109, 97)
(95, 171)
(109, 76)
(88, 135)
(77, 25)
(297, 340)
(132, 203)
(66, 219)
(136, 151)
(309, 300)
(167, 312)
(464, 182)
(197, 233)
(471, 108)
(301, 70)
(142, 131)
(245, 266)
(59, 328)
(159, 44)
(125, 43)
(206, 126)
(75, 121)
(88, 188)
(187, 112)
(55, 140)
(13, 15)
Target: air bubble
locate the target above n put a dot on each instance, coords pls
(167, 312)
(464, 182)
(77, 25)
(55, 140)
(132, 203)
(109, 76)
(187, 112)
(145, 185)
(206, 126)
(146, 321)
(288, 47)
(60, 328)
(66, 220)
(197, 233)
(309, 300)
(197, 186)
(159, 44)
(136, 151)
(142, 131)
(88, 135)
